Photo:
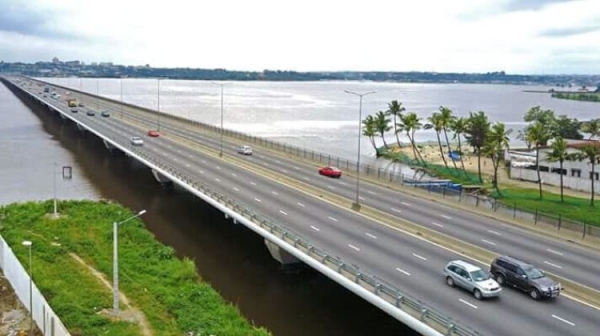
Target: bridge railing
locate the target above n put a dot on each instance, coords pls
(389, 293)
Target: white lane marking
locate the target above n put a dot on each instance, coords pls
(256, 199)
(274, 193)
(219, 168)
(354, 247)
(361, 198)
(285, 171)
(447, 217)
(236, 189)
(175, 159)
(179, 150)
(396, 210)
(266, 164)
(296, 168)
(202, 172)
(551, 264)
(278, 162)
(191, 156)
(333, 219)
(283, 212)
(187, 164)
(302, 205)
(330, 187)
(315, 228)
(402, 271)
(217, 180)
(468, 303)
(164, 153)
(437, 224)
(494, 232)
(233, 174)
(305, 178)
(251, 182)
(563, 320)
(404, 203)
(372, 193)
(418, 256)
(555, 252)
(203, 161)
(370, 235)
(342, 183)
(488, 242)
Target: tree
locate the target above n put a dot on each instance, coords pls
(476, 133)
(395, 109)
(539, 135)
(446, 119)
(496, 142)
(592, 128)
(459, 127)
(435, 122)
(592, 153)
(369, 130)
(382, 124)
(536, 113)
(559, 154)
(567, 128)
(412, 123)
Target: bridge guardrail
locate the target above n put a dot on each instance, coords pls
(389, 293)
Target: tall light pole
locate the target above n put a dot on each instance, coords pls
(97, 94)
(121, 83)
(158, 105)
(356, 204)
(54, 189)
(221, 147)
(28, 244)
(116, 262)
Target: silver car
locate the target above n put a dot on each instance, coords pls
(471, 278)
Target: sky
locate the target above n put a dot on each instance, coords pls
(516, 36)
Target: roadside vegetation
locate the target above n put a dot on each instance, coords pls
(590, 97)
(167, 290)
(487, 139)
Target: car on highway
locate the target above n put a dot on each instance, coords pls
(74, 110)
(136, 141)
(153, 134)
(81, 105)
(524, 276)
(91, 113)
(246, 150)
(471, 278)
(105, 114)
(331, 172)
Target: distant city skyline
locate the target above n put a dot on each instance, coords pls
(472, 36)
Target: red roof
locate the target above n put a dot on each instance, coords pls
(584, 143)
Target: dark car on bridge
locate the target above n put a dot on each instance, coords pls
(90, 113)
(524, 276)
(105, 114)
(331, 172)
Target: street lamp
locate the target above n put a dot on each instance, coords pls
(121, 83)
(221, 149)
(28, 244)
(97, 94)
(356, 204)
(116, 262)
(54, 190)
(158, 106)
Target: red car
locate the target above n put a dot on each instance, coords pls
(153, 134)
(331, 172)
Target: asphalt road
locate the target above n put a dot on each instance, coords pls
(407, 262)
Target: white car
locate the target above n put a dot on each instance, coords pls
(137, 141)
(246, 150)
(471, 278)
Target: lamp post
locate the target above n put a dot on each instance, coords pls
(116, 262)
(158, 105)
(54, 189)
(356, 204)
(221, 146)
(121, 84)
(97, 94)
(28, 244)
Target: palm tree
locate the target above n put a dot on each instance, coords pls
(446, 119)
(435, 122)
(559, 154)
(370, 131)
(497, 141)
(592, 153)
(412, 123)
(395, 109)
(382, 124)
(591, 127)
(539, 135)
(459, 126)
(476, 133)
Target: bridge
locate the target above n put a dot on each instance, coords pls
(391, 252)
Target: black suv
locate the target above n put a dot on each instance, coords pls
(524, 276)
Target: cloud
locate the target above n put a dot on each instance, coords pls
(30, 20)
(531, 5)
(570, 31)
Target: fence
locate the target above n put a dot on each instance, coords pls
(43, 315)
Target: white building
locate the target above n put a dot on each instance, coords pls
(577, 175)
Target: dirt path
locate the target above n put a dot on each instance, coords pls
(14, 318)
(131, 313)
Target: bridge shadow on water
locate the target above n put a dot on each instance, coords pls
(231, 257)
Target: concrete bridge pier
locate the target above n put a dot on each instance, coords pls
(163, 180)
(79, 127)
(108, 146)
(287, 261)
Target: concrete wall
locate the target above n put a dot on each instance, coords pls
(575, 183)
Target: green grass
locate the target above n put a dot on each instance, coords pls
(168, 290)
(573, 208)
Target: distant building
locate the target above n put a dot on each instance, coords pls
(577, 175)
(55, 60)
(72, 63)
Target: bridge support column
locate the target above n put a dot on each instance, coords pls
(108, 145)
(160, 178)
(79, 127)
(286, 260)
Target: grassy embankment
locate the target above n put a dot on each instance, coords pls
(166, 289)
(573, 208)
(581, 96)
